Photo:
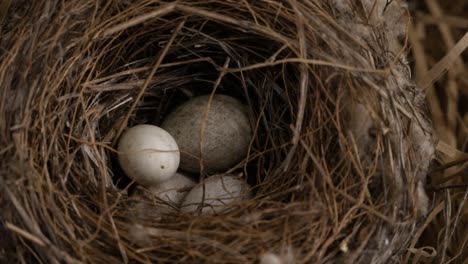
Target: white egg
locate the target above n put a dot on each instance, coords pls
(148, 154)
(226, 135)
(171, 191)
(220, 191)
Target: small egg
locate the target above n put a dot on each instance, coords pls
(226, 136)
(220, 191)
(171, 191)
(148, 154)
(270, 258)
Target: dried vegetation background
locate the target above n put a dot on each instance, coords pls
(342, 143)
(437, 36)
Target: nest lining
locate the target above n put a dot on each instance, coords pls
(341, 144)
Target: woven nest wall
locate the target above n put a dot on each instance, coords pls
(341, 144)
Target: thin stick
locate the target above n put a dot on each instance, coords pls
(161, 11)
(444, 64)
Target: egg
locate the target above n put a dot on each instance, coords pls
(148, 154)
(270, 258)
(226, 136)
(171, 191)
(220, 191)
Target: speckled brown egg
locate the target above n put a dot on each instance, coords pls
(226, 135)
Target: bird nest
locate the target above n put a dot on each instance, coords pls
(338, 160)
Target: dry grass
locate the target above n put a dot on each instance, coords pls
(439, 41)
(339, 158)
